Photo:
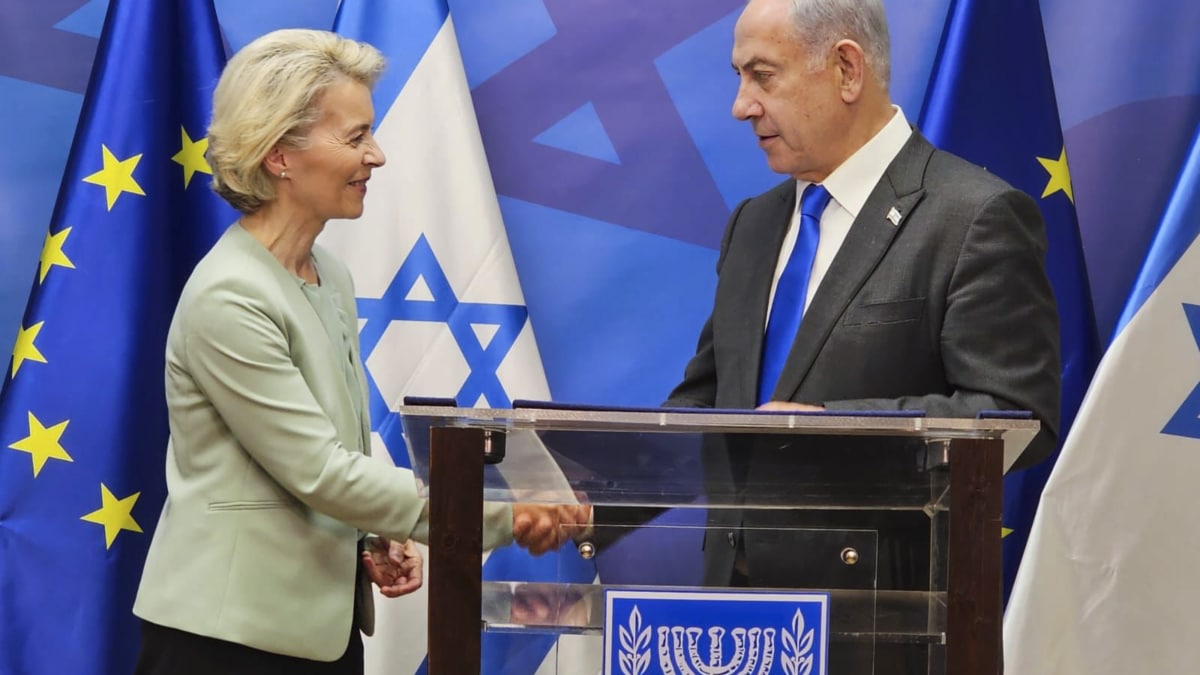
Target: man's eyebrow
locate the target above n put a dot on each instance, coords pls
(752, 63)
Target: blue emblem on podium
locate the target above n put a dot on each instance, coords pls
(718, 632)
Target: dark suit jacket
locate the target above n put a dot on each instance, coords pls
(948, 311)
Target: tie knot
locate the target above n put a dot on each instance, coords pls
(814, 200)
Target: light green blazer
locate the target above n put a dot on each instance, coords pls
(269, 483)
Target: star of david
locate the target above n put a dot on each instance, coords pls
(1186, 421)
(444, 307)
(528, 96)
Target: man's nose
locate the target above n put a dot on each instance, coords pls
(745, 107)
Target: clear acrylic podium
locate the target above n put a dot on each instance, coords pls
(897, 517)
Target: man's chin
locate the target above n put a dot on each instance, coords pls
(779, 166)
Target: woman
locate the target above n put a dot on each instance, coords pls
(254, 566)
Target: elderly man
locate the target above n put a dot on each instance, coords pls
(883, 274)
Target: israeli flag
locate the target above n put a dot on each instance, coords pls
(1107, 585)
(441, 310)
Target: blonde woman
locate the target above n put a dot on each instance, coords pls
(259, 563)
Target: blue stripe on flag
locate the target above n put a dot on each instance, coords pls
(401, 29)
(1178, 228)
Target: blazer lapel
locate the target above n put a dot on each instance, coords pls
(345, 298)
(900, 189)
(323, 364)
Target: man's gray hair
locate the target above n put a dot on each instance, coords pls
(821, 23)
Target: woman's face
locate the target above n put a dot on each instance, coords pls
(328, 177)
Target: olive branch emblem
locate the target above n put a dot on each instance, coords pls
(797, 647)
(635, 643)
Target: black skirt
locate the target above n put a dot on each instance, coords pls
(167, 651)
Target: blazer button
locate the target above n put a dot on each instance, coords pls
(729, 536)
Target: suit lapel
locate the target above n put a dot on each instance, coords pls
(768, 231)
(872, 232)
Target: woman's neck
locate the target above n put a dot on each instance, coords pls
(288, 238)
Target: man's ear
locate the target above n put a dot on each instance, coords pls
(851, 64)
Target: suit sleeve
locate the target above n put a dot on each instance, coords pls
(239, 357)
(999, 336)
(699, 386)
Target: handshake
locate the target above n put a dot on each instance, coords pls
(540, 528)
(396, 567)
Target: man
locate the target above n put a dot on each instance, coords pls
(918, 284)
(928, 289)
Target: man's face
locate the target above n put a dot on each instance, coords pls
(795, 111)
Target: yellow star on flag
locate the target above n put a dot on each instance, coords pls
(116, 176)
(25, 350)
(52, 253)
(191, 157)
(115, 515)
(1060, 175)
(42, 443)
(1005, 531)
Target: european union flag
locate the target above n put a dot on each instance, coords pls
(991, 101)
(83, 423)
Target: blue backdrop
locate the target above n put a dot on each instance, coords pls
(648, 122)
(616, 168)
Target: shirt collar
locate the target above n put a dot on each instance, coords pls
(851, 183)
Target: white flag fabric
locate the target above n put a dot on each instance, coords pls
(441, 309)
(1107, 585)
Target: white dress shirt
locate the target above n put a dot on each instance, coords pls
(849, 186)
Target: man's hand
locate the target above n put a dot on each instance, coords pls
(395, 567)
(542, 528)
(790, 407)
(546, 604)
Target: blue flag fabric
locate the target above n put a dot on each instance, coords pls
(83, 424)
(991, 100)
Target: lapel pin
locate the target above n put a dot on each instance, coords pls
(893, 215)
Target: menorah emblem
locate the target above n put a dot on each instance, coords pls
(679, 649)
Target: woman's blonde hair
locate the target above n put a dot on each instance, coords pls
(267, 96)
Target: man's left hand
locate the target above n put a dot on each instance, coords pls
(779, 406)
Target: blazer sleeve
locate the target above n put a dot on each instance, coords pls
(497, 516)
(239, 356)
(999, 336)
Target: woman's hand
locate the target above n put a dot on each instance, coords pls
(395, 567)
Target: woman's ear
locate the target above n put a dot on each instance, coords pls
(275, 161)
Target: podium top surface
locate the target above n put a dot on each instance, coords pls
(1017, 432)
(699, 420)
(673, 457)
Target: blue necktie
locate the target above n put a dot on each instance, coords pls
(790, 292)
